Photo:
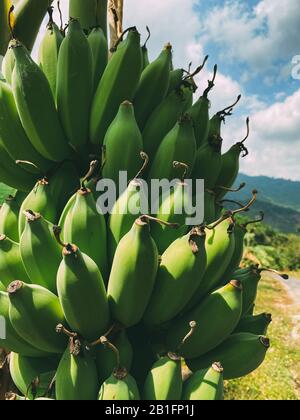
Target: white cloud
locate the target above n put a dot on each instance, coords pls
(259, 38)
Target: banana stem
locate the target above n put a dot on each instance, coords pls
(60, 329)
(10, 12)
(193, 326)
(197, 71)
(120, 39)
(146, 218)
(31, 216)
(211, 83)
(119, 372)
(145, 158)
(270, 270)
(113, 329)
(57, 232)
(27, 162)
(148, 37)
(50, 11)
(251, 202)
(232, 202)
(226, 215)
(251, 222)
(183, 166)
(242, 185)
(93, 166)
(228, 110)
(60, 17)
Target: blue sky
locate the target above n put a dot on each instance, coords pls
(253, 43)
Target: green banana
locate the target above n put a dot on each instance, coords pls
(40, 252)
(112, 90)
(11, 266)
(176, 77)
(165, 116)
(12, 341)
(85, 11)
(133, 274)
(32, 376)
(174, 208)
(8, 64)
(220, 243)
(218, 315)
(164, 381)
(4, 27)
(121, 218)
(153, 86)
(230, 163)
(209, 206)
(12, 134)
(205, 385)
(239, 355)
(76, 376)
(178, 277)
(63, 184)
(118, 156)
(257, 325)
(79, 282)
(106, 361)
(200, 113)
(39, 200)
(240, 232)
(48, 52)
(34, 313)
(99, 48)
(9, 215)
(120, 386)
(84, 226)
(32, 11)
(145, 55)
(178, 145)
(36, 107)
(75, 85)
(208, 158)
(13, 175)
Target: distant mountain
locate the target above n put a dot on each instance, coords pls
(278, 198)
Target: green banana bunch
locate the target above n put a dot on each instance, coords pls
(13, 342)
(39, 200)
(173, 209)
(178, 145)
(121, 156)
(35, 104)
(8, 64)
(230, 164)
(11, 266)
(133, 274)
(180, 273)
(165, 116)
(34, 313)
(85, 11)
(153, 86)
(75, 85)
(239, 355)
(13, 175)
(32, 376)
(121, 217)
(99, 48)
(120, 386)
(32, 11)
(164, 381)
(205, 385)
(76, 376)
(220, 243)
(79, 282)
(257, 325)
(9, 215)
(106, 360)
(39, 251)
(48, 52)
(12, 134)
(176, 77)
(84, 226)
(112, 89)
(200, 113)
(217, 316)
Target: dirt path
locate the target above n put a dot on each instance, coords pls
(293, 286)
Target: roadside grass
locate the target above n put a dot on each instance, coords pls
(279, 377)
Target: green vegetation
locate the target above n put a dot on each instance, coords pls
(4, 192)
(279, 377)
